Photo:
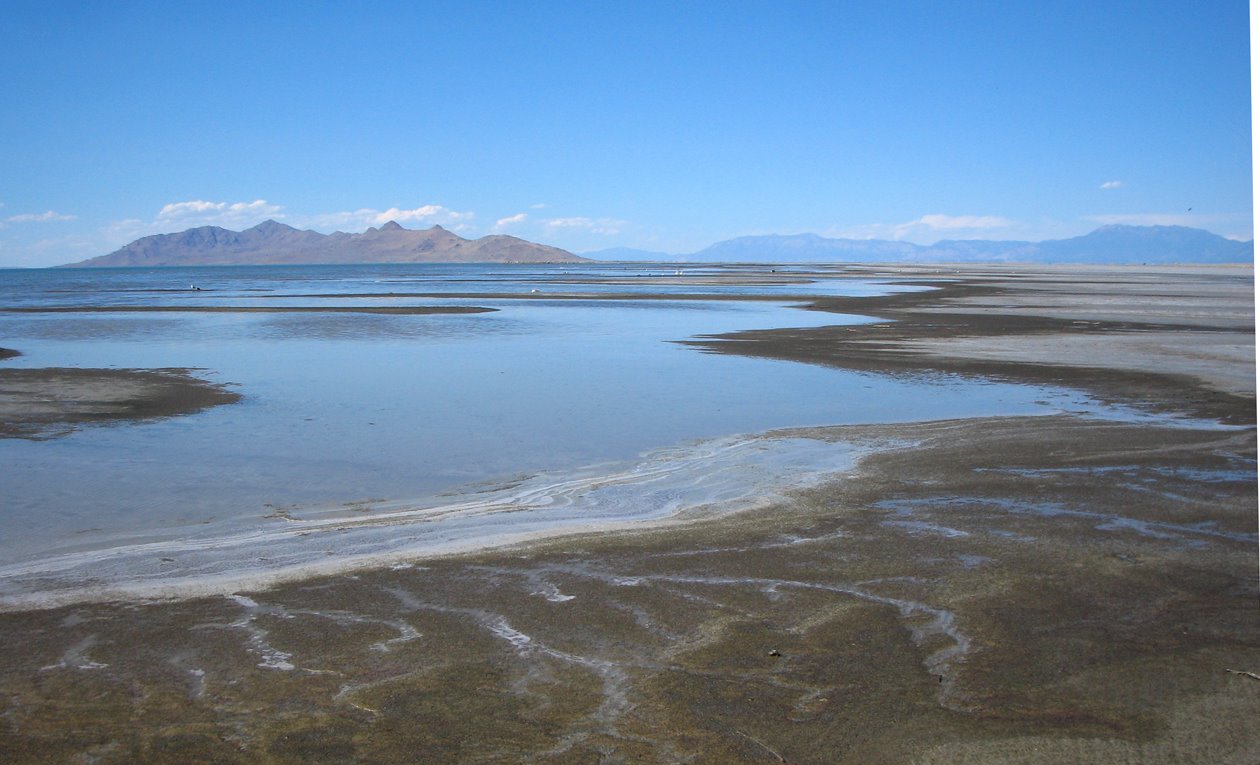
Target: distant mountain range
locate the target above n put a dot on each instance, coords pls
(275, 243)
(1109, 244)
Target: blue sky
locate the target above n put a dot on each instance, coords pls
(664, 126)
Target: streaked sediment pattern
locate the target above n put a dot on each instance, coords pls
(927, 599)
(1038, 589)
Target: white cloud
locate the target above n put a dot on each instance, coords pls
(124, 227)
(180, 209)
(357, 220)
(932, 227)
(44, 217)
(423, 213)
(199, 212)
(177, 216)
(502, 223)
(954, 222)
(593, 225)
(241, 215)
(1112, 185)
(538, 206)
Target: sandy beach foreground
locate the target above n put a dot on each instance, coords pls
(999, 590)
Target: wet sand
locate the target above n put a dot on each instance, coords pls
(51, 401)
(994, 590)
(1171, 338)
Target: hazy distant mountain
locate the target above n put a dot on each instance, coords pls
(1109, 244)
(272, 242)
(806, 247)
(981, 250)
(1147, 244)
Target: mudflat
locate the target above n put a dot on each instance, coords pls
(1019, 589)
(47, 402)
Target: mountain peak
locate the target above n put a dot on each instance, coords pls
(1110, 244)
(273, 242)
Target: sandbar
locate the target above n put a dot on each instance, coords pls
(47, 402)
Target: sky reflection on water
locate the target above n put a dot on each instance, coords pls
(345, 407)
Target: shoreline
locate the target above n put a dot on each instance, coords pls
(179, 567)
(49, 402)
(927, 591)
(707, 478)
(1039, 325)
(416, 310)
(1034, 589)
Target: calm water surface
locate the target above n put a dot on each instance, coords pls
(403, 410)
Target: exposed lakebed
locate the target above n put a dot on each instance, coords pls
(567, 403)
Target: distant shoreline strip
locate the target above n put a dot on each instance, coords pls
(610, 296)
(405, 310)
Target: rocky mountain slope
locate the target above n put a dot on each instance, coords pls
(271, 243)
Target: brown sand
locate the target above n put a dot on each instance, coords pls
(49, 402)
(995, 590)
(1176, 339)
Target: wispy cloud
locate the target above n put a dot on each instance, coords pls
(511, 220)
(933, 225)
(607, 226)
(126, 226)
(177, 216)
(200, 212)
(423, 213)
(953, 222)
(366, 216)
(46, 252)
(1111, 185)
(47, 216)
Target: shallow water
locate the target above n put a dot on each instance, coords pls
(345, 414)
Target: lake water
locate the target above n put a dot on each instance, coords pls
(366, 436)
